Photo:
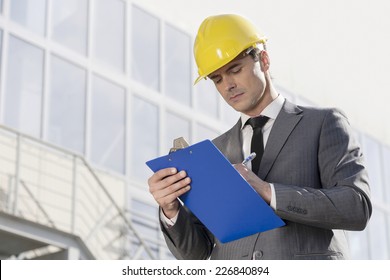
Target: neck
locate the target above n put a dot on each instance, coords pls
(270, 94)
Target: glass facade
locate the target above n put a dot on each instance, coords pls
(144, 135)
(145, 48)
(111, 81)
(177, 126)
(30, 14)
(107, 141)
(69, 24)
(108, 45)
(177, 65)
(22, 97)
(66, 105)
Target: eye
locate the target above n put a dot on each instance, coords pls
(216, 80)
(236, 70)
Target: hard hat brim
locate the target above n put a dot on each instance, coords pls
(198, 79)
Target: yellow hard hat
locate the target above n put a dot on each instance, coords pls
(220, 39)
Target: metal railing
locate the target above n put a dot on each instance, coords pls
(57, 188)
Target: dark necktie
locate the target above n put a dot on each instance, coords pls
(257, 145)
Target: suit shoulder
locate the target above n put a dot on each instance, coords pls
(322, 112)
(219, 140)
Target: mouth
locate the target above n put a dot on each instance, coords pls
(236, 97)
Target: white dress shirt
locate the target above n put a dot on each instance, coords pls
(271, 111)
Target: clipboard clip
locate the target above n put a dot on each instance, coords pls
(178, 143)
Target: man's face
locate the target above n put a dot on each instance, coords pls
(242, 84)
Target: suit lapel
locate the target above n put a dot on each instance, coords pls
(284, 124)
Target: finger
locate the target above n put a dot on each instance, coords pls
(161, 174)
(158, 182)
(172, 198)
(240, 167)
(169, 180)
(172, 191)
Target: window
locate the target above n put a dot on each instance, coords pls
(146, 223)
(144, 219)
(206, 98)
(228, 114)
(177, 65)
(144, 137)
(176, 127)
(30, 14)
(286, 94)
(108, 124)
(372, 153)
(300, 100)
(69, 23)
(358, 245)
(385, 168)
(1, 44)
(23, 89)
(108, 22)
(66, 113)
(145, 46)
(203, 133)
(379, 242)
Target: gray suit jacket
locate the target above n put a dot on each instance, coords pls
(321, 189)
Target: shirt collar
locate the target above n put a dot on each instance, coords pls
(271, 111)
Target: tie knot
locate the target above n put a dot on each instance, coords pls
(257, 122)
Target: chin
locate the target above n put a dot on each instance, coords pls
(240, 109)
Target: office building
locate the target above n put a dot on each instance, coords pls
(89, 91)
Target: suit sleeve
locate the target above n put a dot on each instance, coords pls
(343, 200)
(188, 238)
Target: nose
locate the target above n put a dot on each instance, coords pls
(230, 84)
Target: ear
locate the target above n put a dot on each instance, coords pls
(264, 61)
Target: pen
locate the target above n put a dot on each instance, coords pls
(249, 158)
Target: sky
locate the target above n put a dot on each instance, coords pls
(334, 53)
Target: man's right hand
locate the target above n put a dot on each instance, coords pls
(166, 185)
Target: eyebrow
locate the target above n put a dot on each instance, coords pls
(237, 63)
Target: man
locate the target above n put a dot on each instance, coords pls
(311, 172)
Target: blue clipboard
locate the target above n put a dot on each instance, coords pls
(219, 197)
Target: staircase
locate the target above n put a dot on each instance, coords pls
(53, 205)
